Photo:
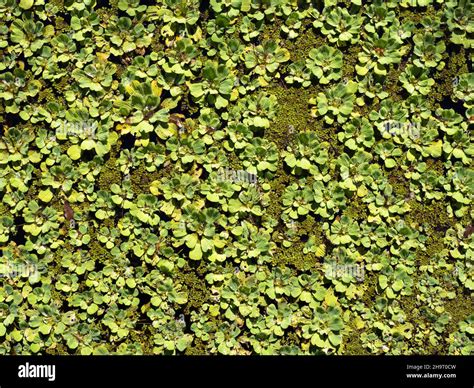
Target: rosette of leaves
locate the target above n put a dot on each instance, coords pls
(277, 319)
(419, 108)
(357, 133)
(298, 73)
(306, 153)
(216, 190)
(344, 269)
(85, 24)
(144, 209)
(230, 7)
(64, 48)
(3, 38)
(293, 22)
(15, 89)
(170, 337)
(429, 52)
(152, 156)
(252, 242)
(459, 145)
(7, 226)
(325, 63)
(210, 119)
(119, 321)
(144, 106)
(372, 86)
(260, 156)
(248, 201)
(343, 231)
(227, 338)
(39, 220)
(182, 12)
(356, 172)
(239, 136)
(88, 132)
(339, 25)
(61, 176)
(324, 329)
(336, 103)
(250, 28)
(462, 190)
(461, 342)
(200, 233)
(260, 110)
(384, 202)
(311, 290)
(256, 110)
(459, 18)
(395, 282)
(389, 111)
(187, 150)
(279, 284)
(378, 54)
(103, 206)
(96, 76)
(241, 294)
(416, 79)
(464, 90)
(378, 16)
(432, 25)
(227, 48)
(216, 86)
(297, 200)
(265, 59)
(125, 36)
(182, 58)
(143, 69)
(14, 145)
(131, 7)
(387, 151)
(147, 246)
(18, 180)
(30, 35)
(178, 192)
(328, 199)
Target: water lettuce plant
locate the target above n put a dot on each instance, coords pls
(236, 177)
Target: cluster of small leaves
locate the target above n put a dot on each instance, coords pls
(120, 234)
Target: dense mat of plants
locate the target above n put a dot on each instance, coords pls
(236, 177)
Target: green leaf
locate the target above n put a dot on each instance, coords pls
(383, 281)
(196, 90)
(390, 163)
(74, 152)
(35, 348)
(44, 329)
(26, 4)
(131, 282)
(335, 339)
(398, 285)
(196, 253)
(191, 240)
(435, 149)
(45, 195)
(92, 309)
(183, 343)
